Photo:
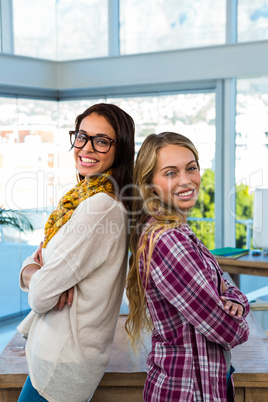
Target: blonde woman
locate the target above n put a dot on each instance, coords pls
(175, 286)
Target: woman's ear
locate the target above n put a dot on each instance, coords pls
(152, 188)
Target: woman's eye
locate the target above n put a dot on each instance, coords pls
(170, 174)
(81, 137)
(102, 141)
(192, 168)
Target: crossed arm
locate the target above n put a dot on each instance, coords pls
(178, 274)
(65, 298)
(235, 309)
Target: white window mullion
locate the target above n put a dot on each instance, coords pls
(113, 27)
(7, 26)
(229, 162)
(228, 144)
(219, 178)
(231, 21)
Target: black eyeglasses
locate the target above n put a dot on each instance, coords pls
(99, 143)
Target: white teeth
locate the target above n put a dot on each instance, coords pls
(86, 160)
(186, 193)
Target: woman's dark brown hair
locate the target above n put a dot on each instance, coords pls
(124, 128)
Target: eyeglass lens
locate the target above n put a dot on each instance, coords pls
(99, 143)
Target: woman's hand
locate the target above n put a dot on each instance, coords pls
(223, 286)
(235, 309)
(65, 297)
(38, 255)
(27, 273)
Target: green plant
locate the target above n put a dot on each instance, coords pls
(244, 210)
(15, 219)
(205, 208)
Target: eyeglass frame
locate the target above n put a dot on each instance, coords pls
(90, 138)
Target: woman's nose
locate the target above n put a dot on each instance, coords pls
(184, 178)
(88, 147)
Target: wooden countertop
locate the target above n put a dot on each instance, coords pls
(247, 264)
(250, 360)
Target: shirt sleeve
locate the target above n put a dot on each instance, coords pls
(183, 279)
(234, 294)
(86, 242)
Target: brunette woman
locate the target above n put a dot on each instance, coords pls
(75, 285)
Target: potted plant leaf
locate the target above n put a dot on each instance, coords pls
(16, 219)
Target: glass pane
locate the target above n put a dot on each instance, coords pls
(0, 31)
(28, 137)
(12, 299)
(192, 115)
(252, 20)
(8, 137)
(31, 138)
(251, 162)
(251, 150)
(34, 24)
(62, 29)
(82, 29)
(155, 25)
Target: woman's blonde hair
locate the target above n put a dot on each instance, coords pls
(145, 204)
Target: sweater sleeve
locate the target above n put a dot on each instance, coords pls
(181, 276)
(82, 245)
(29, 260)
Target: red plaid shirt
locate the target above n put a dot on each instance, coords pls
(191, 327)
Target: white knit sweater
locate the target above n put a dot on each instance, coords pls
(67, 351)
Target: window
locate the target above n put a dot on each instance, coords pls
(34, 23)
(68, 30)
(28, 136)
(251, 161)
(61, 30)
(29, 142)
(252, 20)
(82, 29)
(156, 25)
(36, 167)
(251, 150)
(251, 124)
(1, 30)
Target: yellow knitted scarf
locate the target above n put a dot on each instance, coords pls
(70, 201)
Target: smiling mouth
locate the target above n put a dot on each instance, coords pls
(185, 194)
(88, 160)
